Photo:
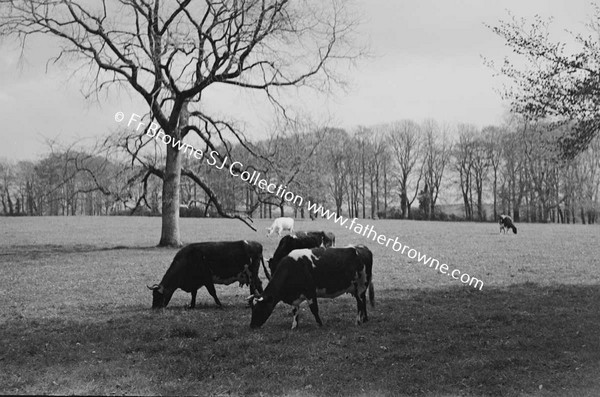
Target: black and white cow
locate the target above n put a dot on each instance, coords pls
(300, 240)
(207, 264)
(506, 223)
(308, 274)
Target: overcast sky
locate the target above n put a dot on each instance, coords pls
(426, 63)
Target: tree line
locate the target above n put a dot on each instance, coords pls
(404, 169)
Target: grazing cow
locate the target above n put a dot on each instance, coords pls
(207, 264)
(328, 237)
(306, 274)
(281, 224)
(506, 223)
(300, 240)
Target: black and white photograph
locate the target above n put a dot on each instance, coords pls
(300, 198)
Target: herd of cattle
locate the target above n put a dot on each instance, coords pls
(305, 266)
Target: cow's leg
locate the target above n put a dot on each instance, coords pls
(359, 308)
(363, 298)
(314, 308)
(211, 290)
(193, 302)
(256, 285)
(295, 313)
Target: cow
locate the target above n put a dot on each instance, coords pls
(308, 274)
(506, 223)
(281, 224)
(300, 240)
(207, 264)
(328, 237)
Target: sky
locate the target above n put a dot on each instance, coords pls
(426, 61)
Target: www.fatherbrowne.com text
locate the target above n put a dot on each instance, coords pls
(254, 178)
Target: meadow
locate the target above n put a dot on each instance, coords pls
(75, 316)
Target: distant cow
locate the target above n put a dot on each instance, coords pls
(306, 274)
(506, 222)
(281, 224)
(300, 240)
(207, 264)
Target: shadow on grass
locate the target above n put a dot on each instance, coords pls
(523, 339)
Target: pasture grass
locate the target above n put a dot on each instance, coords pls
(76, 315)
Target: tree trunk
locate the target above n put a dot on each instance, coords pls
(170, 199)
(372, 189)
(385, 189)
(364, 211)
(495, 193)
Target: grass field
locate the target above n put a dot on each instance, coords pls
(75, 315)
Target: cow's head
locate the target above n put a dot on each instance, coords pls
(262, 307)
(269, 231)
(160, 296)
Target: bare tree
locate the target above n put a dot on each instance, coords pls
(463, 163)
(480, 166)
(405, 142)
(436, 152)
(171, 52)
(492, 137)
(337, 166)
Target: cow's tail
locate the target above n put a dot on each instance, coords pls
(265, 268)
(514, 229)
(366, 257)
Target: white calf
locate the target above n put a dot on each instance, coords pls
(281, 224)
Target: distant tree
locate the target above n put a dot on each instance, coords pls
(492, 136)
(405, 140)
(292, 163)
(362, 137)
(337, 163)
(552, 84)
(463, 164)
(436, 155)
(7, 187)
(480, 166)
(512, 174)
